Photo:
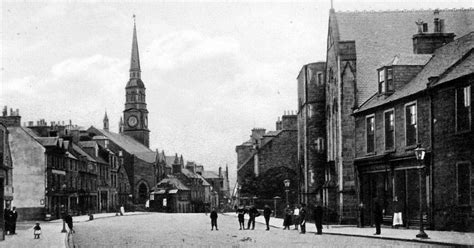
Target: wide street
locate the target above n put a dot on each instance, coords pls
(193, 230)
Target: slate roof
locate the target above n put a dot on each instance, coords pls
(448, 57)
(47, 141)
(130, 145)
(149, 157)
(175, 182)
(381, 35)
(210, 174)
(407, 59)
(77, 149)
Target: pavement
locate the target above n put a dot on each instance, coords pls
(448, 238)
(53, 237)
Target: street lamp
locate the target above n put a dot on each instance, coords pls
(275, 199)
(287, 189)
(420, 155)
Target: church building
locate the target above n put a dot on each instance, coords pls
(133, 139)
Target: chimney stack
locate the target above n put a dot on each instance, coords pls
(427, 43)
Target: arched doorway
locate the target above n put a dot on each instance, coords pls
(142, 193)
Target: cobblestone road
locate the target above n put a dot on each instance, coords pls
(194, 230)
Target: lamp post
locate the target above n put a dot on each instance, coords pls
(420, 155)
(287, 189)
(275, 205)
(238, 193)
(63, 187)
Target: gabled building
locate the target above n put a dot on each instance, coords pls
(357, 44)
(423, 99)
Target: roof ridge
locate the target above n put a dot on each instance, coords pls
(403, 10)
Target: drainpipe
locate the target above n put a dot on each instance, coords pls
(431, 190)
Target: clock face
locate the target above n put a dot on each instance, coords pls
(132, 121)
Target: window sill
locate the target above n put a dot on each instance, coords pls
(390, 150)
(462, 132)
(370, 154)
(408, 148)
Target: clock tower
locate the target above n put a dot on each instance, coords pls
(136, 114)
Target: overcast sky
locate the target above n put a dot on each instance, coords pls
(212, 71)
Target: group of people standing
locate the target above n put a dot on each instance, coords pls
(253, 213)
(10, 216)
(297, 216)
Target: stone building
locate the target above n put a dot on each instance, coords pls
(6, 179)
(267, 151)
(219, 185)
(311, 131)
(140, 163)
(451, 88)
(357, 44)
(415, 106)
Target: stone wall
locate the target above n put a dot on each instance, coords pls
(450, 148)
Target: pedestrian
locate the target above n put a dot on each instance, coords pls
(296, 216)
(13, 217)
(214, 219)
(378, 216)
(253, 212)
(267, 211)
(287, 220)
(37, 230)
(68, 220)
(240, 214)
(318, 218)
(397, 213)
(122, 210)
(302, 218)
(147, 205)
(6, 217)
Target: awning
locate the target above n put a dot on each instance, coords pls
(173, 191)
(161, 191)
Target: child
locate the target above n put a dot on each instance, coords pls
(37, 230)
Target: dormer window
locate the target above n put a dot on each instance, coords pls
(385, 80)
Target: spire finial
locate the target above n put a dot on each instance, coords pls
(135, 60)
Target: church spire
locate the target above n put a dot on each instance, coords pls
(135, 59)
(106, 122)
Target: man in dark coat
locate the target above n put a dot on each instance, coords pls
(240, 214)
(302, 218)
(214, 219)
(253, 212)
(266, 214)
(6, 217)
(13, 217)
(318, 218)
(378, 216)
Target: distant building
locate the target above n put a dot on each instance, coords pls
(312, 132)
(219, 185)
(271, 150)
(6, 173)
